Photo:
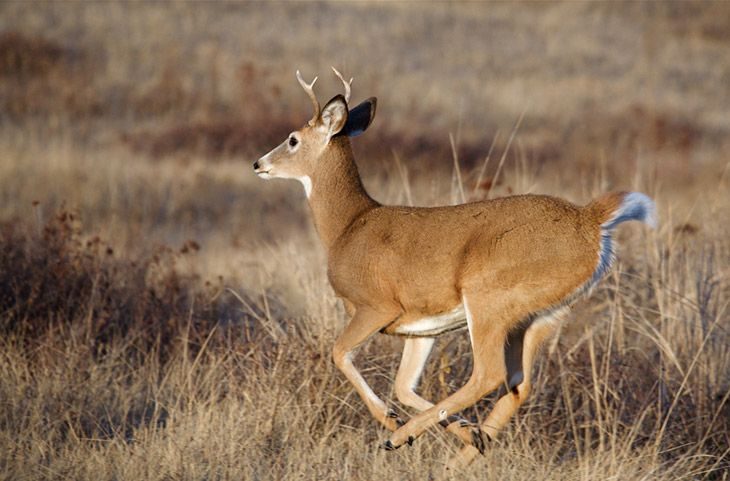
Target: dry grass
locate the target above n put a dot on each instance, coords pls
(164, 316)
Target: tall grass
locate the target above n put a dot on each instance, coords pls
(124, 368)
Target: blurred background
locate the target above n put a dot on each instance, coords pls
(96, 96)
(135, 235)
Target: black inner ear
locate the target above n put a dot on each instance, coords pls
(359, 118)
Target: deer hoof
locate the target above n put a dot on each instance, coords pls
(388, 446)
(410, 440)
(393, 415)
(478, 439)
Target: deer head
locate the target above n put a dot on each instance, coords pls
(299, 155)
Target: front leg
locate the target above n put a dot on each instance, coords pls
(489, 370)
(415, 354)
(365, 322)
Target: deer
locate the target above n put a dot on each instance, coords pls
(506, 269)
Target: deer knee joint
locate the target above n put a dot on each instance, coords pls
(404, 393)
(340, 356)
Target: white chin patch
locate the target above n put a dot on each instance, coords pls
(305, 180)
(307, 183)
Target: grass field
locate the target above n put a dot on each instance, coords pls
(166, 315)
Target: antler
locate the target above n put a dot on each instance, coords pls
(346, 84)
(310, 92)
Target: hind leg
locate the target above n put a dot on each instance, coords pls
(519, 379)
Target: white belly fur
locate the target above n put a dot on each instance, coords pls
(435, 325)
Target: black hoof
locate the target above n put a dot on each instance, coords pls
(410, 440)
(388, 446)
(393, 415)
(477, 439)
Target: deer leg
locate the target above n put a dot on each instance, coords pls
(487, 340)
(519, 379)
(415, 354)
(472, 434)
(364, 323)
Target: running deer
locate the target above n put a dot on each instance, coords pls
(506, 269)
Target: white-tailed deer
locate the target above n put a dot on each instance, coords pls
(506, 269)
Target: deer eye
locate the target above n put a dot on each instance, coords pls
(293, 141)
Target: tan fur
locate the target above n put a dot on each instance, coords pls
(505, 259)
(603, 207)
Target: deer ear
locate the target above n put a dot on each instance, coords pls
(334, 116)
(360, 118)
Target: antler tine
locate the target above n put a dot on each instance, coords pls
(346, 84)
(308, 88)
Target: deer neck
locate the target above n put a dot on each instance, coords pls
(338, 196)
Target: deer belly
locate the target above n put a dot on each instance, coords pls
(430, 325)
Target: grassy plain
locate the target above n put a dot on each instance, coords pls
(166, 315)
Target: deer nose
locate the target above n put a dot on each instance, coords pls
(256, 165)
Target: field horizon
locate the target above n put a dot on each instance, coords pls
(165, 314)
